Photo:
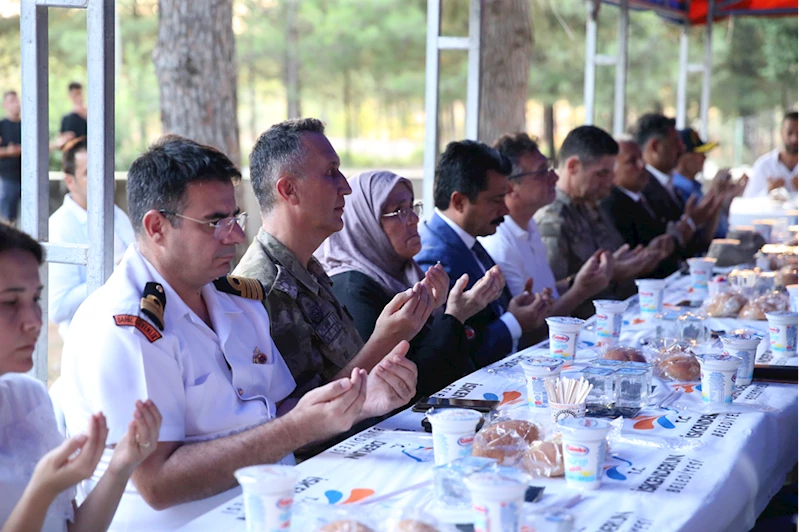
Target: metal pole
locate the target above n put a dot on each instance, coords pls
(620, 88)
(590, 64)
(473, 71)
(100, 140)
(35, 148)
(682, 79)
(705, 104)
(431, 103)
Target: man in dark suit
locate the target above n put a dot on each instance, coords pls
(661, 148)
(470, 186)
(634, 217)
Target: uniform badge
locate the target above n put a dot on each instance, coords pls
(259, 357)
(128, 320)
(240, 286)
(310, 308)
(153, 303)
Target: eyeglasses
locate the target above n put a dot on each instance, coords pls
(403, 213)
(538, 174)
(222, 228)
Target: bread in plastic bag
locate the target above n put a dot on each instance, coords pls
(675, 361)
(544, 458)
(505, 440)
(725, 304)
(623, 353)
(757, 308)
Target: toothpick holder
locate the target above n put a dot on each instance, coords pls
(562, 411)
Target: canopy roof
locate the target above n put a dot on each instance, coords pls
(695, 11)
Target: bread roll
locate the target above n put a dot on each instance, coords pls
(345, 525)
(725, 305)
(786, 276)
(544, 459)
(505, 441)
(625, 354)
(681, 367)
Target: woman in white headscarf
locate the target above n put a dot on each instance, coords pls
(371, 259)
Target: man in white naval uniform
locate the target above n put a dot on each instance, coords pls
(162, 328)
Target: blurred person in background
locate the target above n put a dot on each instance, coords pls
(777, 168)
(10, 157)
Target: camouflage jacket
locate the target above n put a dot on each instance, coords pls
(572, 233)
(313, 332)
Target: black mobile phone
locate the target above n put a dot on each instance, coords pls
(769, 373)
(481, 405)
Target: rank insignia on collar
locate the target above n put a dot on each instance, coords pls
(258, 357)
(240, 286)
(153, 303)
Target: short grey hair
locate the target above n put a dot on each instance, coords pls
(278, 152)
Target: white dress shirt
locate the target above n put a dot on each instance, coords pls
(67, 282)
(521, 254)
(769, 165)
(207, 383)
(507, 318)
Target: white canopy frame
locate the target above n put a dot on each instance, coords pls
(98, 255)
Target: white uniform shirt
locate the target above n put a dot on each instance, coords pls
(521, 254)
(67, 282)
(766, 166)
(184, 370)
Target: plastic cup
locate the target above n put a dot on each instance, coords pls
(563, 332)
(701, 272)
(584, 448)
(536, 372)
(609, 315)
(564, 410)
(782, 332)
(497, 500)
(718, 377)
(717, 286)
(792, 296)
(743, 346)
(650, 296)
(268, 492)
(453, 432)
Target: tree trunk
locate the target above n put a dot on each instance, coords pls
(292, 62)
(549, 129)
(195, 62)
(505, 57)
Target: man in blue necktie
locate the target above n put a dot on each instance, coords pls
(470, 186)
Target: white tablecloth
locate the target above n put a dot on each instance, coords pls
(722, 485)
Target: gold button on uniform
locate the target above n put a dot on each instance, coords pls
(241, 392)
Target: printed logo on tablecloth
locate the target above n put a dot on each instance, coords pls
(356, 495)
(646, 422)
(613, 471)
(510, 397)
(418, 454)
(687, 388)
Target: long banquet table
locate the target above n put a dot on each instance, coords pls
(675, 468)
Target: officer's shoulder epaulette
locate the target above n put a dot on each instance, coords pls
(152, 305)
(240, 286)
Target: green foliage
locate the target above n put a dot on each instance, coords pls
(363, 65)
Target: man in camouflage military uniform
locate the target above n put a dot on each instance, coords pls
(573, 227)
(295, 176)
